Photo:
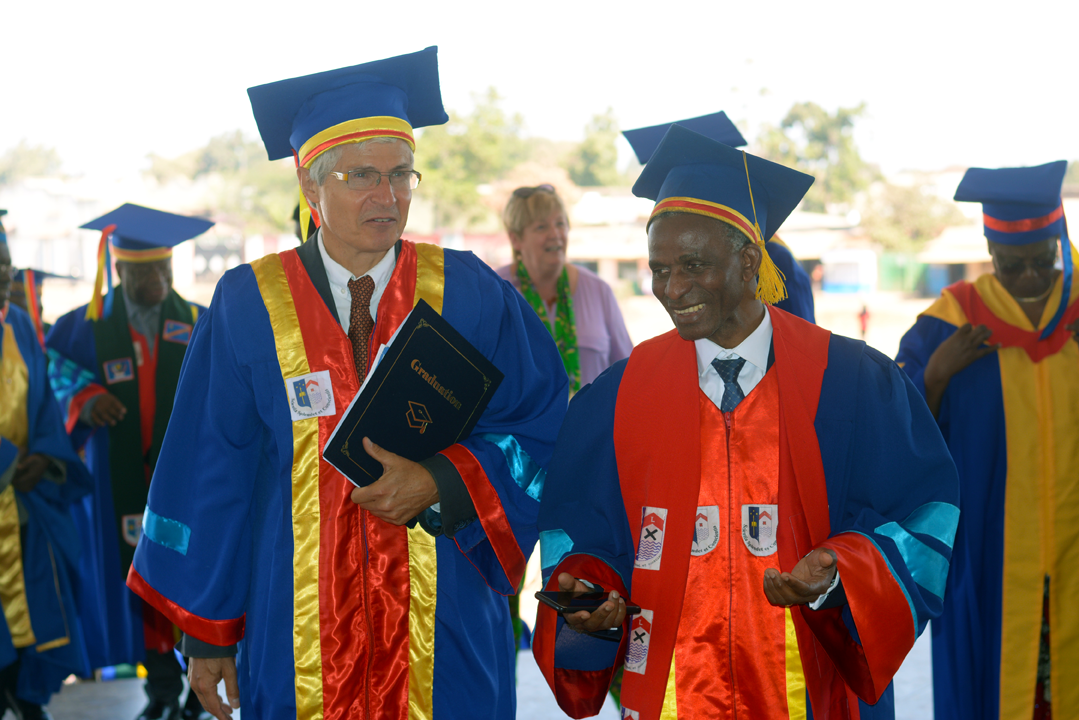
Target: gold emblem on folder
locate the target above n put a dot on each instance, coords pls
(418, 417)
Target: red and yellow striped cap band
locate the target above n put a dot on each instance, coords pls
(1017, 226)
(355, 131)
(708, 209)
(141, 256)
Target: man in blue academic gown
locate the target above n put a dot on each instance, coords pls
(116, 364)
(309, 597)
(776, 499)
(40, 476)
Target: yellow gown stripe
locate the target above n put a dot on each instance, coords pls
(292, 356)
(796, 681)
(15, 427)
(1041, 525)
(194, 313)
(947, 308)
(430, 275)
(422, 552)
(669, 711)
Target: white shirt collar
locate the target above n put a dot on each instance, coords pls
(754, 348)
(339, 275)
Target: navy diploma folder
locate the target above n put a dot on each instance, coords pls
(426, 392)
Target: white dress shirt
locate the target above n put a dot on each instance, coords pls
(754, 349)
(339, 276)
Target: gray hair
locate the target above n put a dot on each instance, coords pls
(324, 163)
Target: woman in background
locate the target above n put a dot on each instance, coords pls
(578, 307)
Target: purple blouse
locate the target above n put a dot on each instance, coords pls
(602, 338)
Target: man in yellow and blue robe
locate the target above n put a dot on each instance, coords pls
(308, 597)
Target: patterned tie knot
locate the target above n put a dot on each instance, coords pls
(362, 289)
(729, 369)
(360, 322)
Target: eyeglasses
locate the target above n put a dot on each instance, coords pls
(527, 192)
(367, 179)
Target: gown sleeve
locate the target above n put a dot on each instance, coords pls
(503, 462)
(583, 531)
(894, 505)
(196, 522)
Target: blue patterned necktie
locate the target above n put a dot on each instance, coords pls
(732, 392)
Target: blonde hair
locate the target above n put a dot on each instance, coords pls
(528, 204)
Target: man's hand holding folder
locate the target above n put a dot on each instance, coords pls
(405, 489)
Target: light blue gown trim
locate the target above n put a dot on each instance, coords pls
(928, 567)
(525, 472)
(165, 532)
(554, 545)
(936, 519)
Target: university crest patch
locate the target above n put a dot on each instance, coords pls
(177, 332)
(310, 395)
(706, 530)
(118, 370)
(650, 544)
(759, 528)
(132, 527)
(640, 633)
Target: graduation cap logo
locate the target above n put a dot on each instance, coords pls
(418, 417)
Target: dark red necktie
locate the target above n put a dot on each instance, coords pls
(360, 323)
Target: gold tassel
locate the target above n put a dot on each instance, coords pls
(770, 282)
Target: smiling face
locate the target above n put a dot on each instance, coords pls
(1025, 271)
(542, 244)
(707, 287)
(148, 283)
(356, 222)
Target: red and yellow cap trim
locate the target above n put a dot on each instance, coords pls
(1028, 225)
(141, 256)
(355, 131)
(709, 209)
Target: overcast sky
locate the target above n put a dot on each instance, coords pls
(946, 83)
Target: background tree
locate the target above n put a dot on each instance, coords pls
(822, 144)
(25, 160)
(594, 162)
(468, 152)
(904, 218)
(242, 187)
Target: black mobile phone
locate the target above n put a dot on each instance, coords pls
(571, 602)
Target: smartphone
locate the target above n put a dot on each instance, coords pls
(571, 602)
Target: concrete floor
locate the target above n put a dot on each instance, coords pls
(123, 699)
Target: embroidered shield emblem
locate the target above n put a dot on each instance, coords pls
(177, 332)
(640, 633)
(650, 545)
(759, 528)
(118, 370)
(310, 395)
(706, 530)
(132, 528)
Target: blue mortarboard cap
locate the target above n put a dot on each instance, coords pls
(690, 166)
(20, 276)
(3, 232)
(141, 229)
(1019, 205)
(716, 126)
(291, 112)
